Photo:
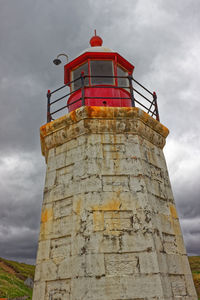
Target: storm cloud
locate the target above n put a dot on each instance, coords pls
(161, 38)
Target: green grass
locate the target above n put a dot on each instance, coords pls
(195, 268)
(12, 285)
(23, 269)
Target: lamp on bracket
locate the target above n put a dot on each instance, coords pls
(57, 61)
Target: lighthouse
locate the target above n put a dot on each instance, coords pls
(109, 227)
(105, 73)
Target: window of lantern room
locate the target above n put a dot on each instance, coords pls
(122, 82)
(77, 73)
(102, 68)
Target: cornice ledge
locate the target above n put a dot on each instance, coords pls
(97, 112)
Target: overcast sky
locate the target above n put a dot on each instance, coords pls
(161, 38)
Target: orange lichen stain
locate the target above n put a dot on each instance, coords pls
(154, 124)
(115, 138)
(98, 220)
(164, 131)
(176, 227)
(43, 130)
(131, 111)
(53, 126)
(47, 215)
(112, 205)
(173, 211)
(113, 223)
(99, 112)
(180, 244)
(73, 115)
(173, 221)
(94, 111)
(43, 146)
(78, 207)
(145, 116)
(114, 232)
(134, 157)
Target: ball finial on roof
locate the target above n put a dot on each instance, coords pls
(96, 40)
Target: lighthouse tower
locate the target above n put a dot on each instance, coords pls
(109, 227)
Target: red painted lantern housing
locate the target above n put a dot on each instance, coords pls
(102, 69)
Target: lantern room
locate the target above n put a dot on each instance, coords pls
(100, 75)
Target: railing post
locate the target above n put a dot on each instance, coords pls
(156, 106)
(131, 90)
(48, 106)
(82, 89)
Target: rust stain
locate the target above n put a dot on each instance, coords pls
(73, 116)
(43, 146)
(78, 207)
(145, 116)
(47, 215)
(180, 244)
(114, 204)
(114, 232)
(43, 129)
(113, 223)
(98, 220)
(46, 222)
(115, 139)
(176, 227)
(115, 154)
(173, 211)
(174, 221)
(99, 112)
(164, 131)
(93, 111)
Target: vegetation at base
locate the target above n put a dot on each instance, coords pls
(22, 269)
(195, 268)
(12, 277)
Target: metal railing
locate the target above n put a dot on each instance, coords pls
(134, 88)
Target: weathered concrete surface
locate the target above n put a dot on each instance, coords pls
(109, 227)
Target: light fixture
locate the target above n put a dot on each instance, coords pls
(57, 61)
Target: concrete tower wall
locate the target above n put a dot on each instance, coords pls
(109, 227)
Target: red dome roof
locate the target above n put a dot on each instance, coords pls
(96, 40)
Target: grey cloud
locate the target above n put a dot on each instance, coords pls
(191, 233)
(21, 246)
(21, 198)
(188, 198)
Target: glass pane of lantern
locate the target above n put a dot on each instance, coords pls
(101, 68)
(76, 73)
(122, 82)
